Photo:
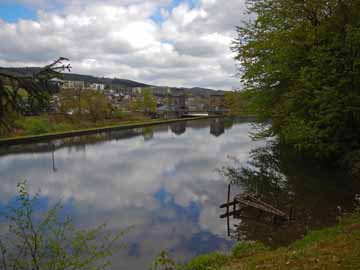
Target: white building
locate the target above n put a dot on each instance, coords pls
(73, 84)
(97, 86)
(137, 90)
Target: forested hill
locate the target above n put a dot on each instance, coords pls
(121, 83)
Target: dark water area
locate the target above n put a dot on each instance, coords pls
(163, 181)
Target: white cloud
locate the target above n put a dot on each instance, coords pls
(187, 47)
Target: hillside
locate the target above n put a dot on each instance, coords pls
(121, 83)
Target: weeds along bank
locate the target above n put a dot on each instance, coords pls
(328, 249)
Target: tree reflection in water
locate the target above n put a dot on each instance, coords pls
(286, 180)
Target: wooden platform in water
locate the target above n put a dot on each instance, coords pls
(248, 203)
(242, 201)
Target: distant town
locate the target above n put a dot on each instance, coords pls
(170, 101)
(48, 101)
(121, 93)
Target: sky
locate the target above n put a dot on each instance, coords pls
(181, 43)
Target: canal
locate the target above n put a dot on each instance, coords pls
(166, 182)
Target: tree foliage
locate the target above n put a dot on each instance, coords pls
(50, 241)
(98, 105)
(145, 103)
(301, 62)
(238, 102)
(149, 101)
(20, 93)
(85, 103)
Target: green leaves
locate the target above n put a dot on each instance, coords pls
(300, 60)
(49, 241)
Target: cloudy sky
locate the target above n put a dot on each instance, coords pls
(162, 42)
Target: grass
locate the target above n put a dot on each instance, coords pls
(328, 249)
(335, 248)
(38, 125)
(39, 128)
(210, 261)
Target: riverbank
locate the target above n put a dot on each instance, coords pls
(79, 132)
(332, 248)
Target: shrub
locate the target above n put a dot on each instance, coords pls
(244, 249)
(34, 125)
(211, 261)
(40, 239)
(316, 236)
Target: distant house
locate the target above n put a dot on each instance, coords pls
(177, 102)
(73, 84)
(137, 90)
(196, 103)
(217, 102)
(97, 86)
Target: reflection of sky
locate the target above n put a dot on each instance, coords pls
(166, 187)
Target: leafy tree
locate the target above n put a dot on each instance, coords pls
(149, 101)
(21, 92)
(98, 105)
(300, 60)
(135, 105)
(145, 103)
(72, 101)
(49, 241)
(85, 103)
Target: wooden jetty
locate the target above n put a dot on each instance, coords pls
(242, 202)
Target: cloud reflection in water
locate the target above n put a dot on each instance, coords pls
(164, 184)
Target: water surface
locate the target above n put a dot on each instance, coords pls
(163, 180)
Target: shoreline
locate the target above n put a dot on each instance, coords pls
(74, 133)
(331, 248)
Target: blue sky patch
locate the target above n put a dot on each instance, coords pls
(11, 12)
(159, 19)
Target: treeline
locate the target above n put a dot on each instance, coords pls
(239, 103)
(300, 62)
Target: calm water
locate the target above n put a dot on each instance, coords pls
(163, 180)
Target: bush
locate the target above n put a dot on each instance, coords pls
(34, 125)
(316, 236)
(244, 249)
(120, 114)
(211, 261)
(40, 239)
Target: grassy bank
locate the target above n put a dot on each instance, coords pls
(76, 130)
(328, 249)
(38, 125)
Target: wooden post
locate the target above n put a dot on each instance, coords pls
(227, 210)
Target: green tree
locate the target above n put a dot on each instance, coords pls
(24, 91)
(73, 102)
(145, 103)
(148, 101)
(86, 103)
(238, 102)
(42, 241)
(135, 105)
(300, 61)
(98, 105)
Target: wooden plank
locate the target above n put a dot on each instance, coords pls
(270, 206)
(257, 203)
(262, 207)
(228, 204)
(228, 214)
